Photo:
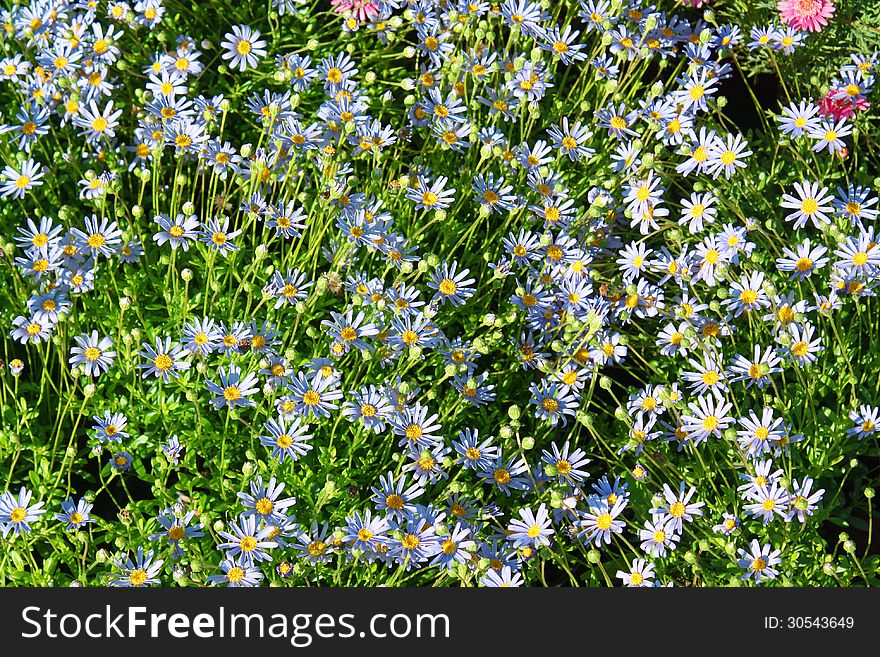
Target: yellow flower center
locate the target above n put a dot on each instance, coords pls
(809, 206)
(138, 577)
(603, 521)
(448, 286)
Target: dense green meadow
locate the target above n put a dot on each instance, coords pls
(439, 293)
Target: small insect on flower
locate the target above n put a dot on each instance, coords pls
(94, 354)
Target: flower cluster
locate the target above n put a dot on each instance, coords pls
(474, 300)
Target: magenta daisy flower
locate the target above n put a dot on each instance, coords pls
(807, 15)
(362, 10)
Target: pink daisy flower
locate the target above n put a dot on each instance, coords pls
(362, 10)
(696, 4)
(808, 15)
(843, 108)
